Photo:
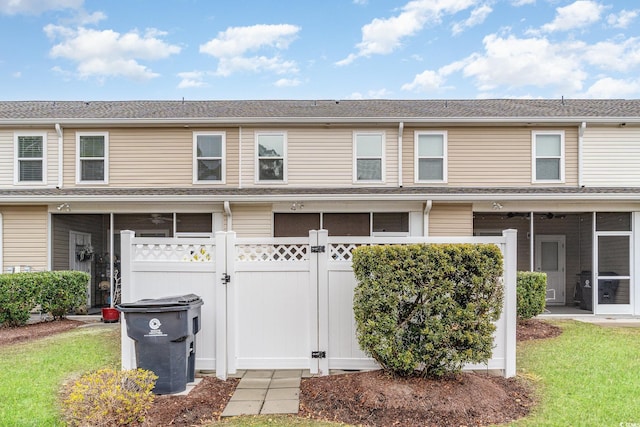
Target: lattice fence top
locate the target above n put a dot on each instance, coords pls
(272, 252)
(174, 252)
(342, 251)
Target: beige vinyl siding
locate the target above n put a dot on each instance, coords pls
(490, 156)
(252, 220)
(318, 157)
(611, 157)
(6, 158)
(451, 220)
(24, 232)
(151, 157)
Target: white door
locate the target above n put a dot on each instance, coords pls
(78, 241)
(550, 259)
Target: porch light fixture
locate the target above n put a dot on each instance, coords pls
(496, 206)
(64, 207)
(297, 205)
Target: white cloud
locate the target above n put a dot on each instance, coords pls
(360, 2)
(518, 3)
(384, 35)
(608, 87)
(231, 46)
(191, 79)
(371, 94)
(426, 81)
(35, 7)
(514, 62)
(622, 19)
(576, 15)
(109, 53)
(477, 17)
(621, 56)
(16, 75)
(287, 83)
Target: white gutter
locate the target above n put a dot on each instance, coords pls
(60, 155)
(400, 130)
(581, 130)
(227, 212)
(425, 224)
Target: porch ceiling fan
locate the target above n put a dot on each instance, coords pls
(158, 219)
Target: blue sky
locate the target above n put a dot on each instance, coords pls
(329, 49)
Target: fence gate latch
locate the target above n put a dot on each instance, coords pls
(317, 249)
(318, 354)
(225, 279)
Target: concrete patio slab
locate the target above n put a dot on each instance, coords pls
(249, 394)
(280, 407)
(285, 383)
(268, 373)
(254, 383)
(245, 407)
(283, 394)
(288, 373)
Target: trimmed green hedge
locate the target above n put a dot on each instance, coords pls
(57, 292)
(531, 293)
(427, 309)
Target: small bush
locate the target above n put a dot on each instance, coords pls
(427, 309)
(62, 291)
(531, 293)
(17, 297)
(110, 398)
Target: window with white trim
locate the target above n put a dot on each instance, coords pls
(208, 161)
(368, 156)
(271, 153)
(431, 156)
(92, 150)
(30, 155)
(548, 156)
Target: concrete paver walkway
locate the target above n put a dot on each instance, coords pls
(266, 392)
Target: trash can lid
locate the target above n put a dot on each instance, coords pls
(171, 301)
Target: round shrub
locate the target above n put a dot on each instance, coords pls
(427, 309)
(531, 293)
(110, 398)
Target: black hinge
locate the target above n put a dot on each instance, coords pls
(225, 279)
(317, 249)
(318, 354)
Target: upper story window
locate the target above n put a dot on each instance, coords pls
(271, 150)
(92, 151)
(368, 156)
(30, 155)
(431, 156)
(208, 161)
(548, 156)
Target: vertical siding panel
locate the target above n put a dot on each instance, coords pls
(25, 236)
(451, 220)
(611, 157)
(6, 158)
(252, 220)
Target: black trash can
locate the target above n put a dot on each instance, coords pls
(164, 332)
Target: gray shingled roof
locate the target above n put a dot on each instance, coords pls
(509, 109)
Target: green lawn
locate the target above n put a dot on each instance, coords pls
(31, 374)
(588, 376)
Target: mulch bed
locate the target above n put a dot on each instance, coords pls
(36, 330)
(534, 329)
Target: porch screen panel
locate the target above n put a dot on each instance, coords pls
(347, 224)
(295, 224)
(614, 269)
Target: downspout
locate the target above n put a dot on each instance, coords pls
(400, 130)
(227, 212)
(60, 155)
(581, 130)
(425, 224)
(239, 159)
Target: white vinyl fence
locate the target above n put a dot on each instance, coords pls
(280, 303)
